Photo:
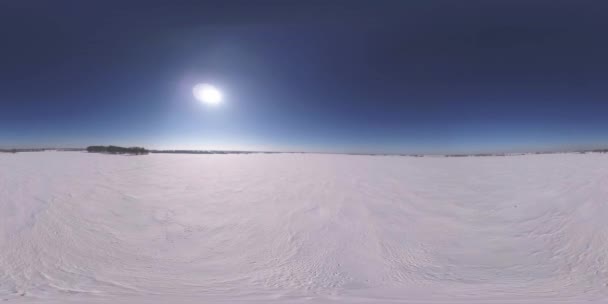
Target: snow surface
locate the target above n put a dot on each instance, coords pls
(302, 228)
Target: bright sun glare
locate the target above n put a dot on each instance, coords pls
(207, 93)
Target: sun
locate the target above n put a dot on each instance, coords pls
(207, 93)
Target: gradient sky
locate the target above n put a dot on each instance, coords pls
(332, 76)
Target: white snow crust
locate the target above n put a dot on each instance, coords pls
(303, 228)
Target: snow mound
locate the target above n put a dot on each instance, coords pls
(302, 228)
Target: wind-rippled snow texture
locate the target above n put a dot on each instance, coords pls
(302, 228)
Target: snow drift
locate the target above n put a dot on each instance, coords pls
(302, 228)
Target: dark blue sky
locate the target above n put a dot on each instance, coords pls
(341, 76)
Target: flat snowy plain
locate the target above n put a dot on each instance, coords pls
(303, 228)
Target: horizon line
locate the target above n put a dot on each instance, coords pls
(228, 151)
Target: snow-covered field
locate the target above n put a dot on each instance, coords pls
(302, 228)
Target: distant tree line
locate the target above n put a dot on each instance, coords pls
(117, 150)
